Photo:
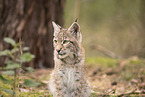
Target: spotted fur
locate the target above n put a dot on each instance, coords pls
(68, 78)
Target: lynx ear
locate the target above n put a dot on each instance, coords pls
(56, 28)
(75, 30)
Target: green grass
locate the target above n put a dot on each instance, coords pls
(5, 85)
(39, 91)
(133, 70)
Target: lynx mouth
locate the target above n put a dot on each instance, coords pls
(62, 55)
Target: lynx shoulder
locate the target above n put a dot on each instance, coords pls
(68, 78)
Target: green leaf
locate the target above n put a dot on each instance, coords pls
(14, 50)
(93, 95)
(8, 72)
(31, 83)
(8, 62)
(26, 57)
(30, 69)
(9, 91)
(13, 66)
(25, 48)
(5, 53)
(10, 41)
(5, 80)
(18, 44)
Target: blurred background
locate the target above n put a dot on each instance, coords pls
(112, 28)
(113, 37)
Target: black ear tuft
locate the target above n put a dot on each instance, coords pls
(76, 20)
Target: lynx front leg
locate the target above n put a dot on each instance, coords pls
(80, 93)
(76, 93)
(82, 90)
(56, 86)
(61, 89)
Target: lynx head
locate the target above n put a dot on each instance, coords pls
(67, 42)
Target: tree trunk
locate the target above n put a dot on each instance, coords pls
(30, 20)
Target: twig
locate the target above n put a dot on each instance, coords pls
(106, 51)
(20, 47)
(131, 92)
(127, 94)
(21, 52)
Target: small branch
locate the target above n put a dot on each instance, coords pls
(21, 52)
(106, 51)
(20, 47)
(127, 94)
(132, 92)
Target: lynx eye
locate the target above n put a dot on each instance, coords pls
(55, 41)
(66, 41)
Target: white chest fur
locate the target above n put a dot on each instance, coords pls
(70, 78)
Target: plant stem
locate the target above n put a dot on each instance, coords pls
(14, 87)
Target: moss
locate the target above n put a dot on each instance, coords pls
(139, 61)
(103, 61)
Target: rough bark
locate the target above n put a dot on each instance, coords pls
(30, 20)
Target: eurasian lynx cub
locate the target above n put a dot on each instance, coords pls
(68, 78)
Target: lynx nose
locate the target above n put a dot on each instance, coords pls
(58, 50)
